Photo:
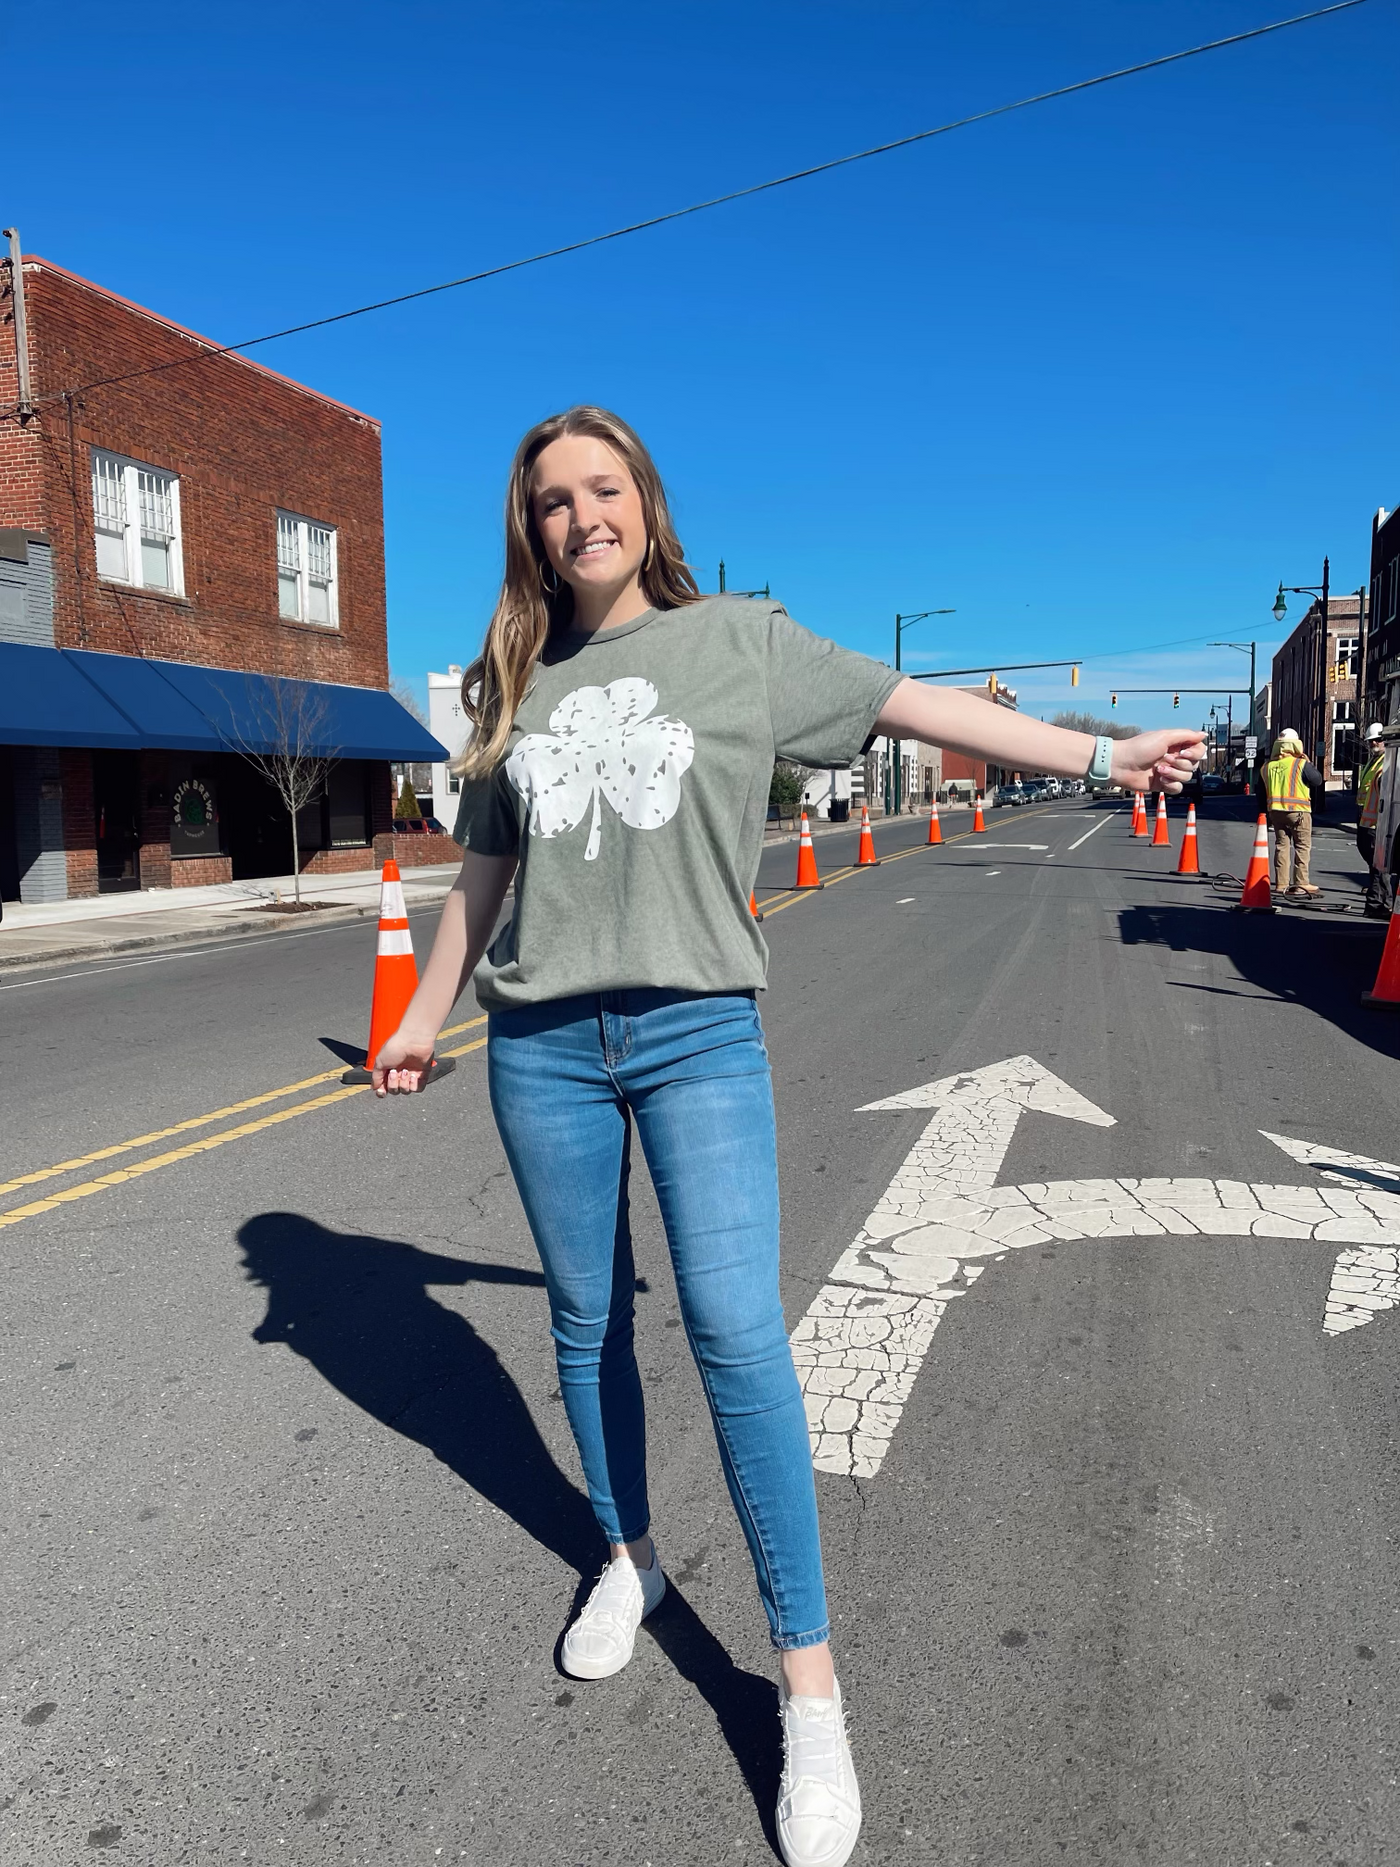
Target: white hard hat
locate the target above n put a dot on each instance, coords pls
(1374, 730)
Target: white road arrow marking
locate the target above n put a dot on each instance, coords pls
(1366, 1280)
(861, 1344)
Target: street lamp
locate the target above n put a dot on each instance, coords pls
(1247, 648)
(901, 623)
(1319, 720)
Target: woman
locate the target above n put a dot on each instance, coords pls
(625, 732)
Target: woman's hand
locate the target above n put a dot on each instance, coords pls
(1160, 761)
(401, 1068)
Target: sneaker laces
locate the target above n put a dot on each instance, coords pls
(614, 1598)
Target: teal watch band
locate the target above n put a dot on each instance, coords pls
(1101, 764)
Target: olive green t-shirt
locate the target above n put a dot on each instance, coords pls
(635, 791)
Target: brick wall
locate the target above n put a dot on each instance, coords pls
(197, 871)
(155, 820)
(415, 852)
(243, 442)
(79, 825)
(339, 861)
(21, 460)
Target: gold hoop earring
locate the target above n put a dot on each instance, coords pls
(650, 553)
(550, 589)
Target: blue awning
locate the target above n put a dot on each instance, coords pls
(262, 713)
(159, 712)
(46, 701)
(76, 697)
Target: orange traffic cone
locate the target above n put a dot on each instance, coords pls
(1160, 839)
(935, 832)
(806, 859)
(866, 859)
(1139, 815)
(1257, 897)
(1190, 862)
(1384, 995)
(977, 823)
(395, 978)
(753, 904)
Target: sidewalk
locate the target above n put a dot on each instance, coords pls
(100, 926)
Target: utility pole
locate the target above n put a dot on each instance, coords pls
(1360, 672)
(1320, 752)
(901, 623)
(26, 395)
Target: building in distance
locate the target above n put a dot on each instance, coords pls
(1313, 687)
(191, 551)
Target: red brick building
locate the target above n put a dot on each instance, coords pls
(191, 555)
(1312, 686)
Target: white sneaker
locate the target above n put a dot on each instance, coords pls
(600, 1641)
(818, 1799)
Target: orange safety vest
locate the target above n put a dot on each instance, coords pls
(1284, 777)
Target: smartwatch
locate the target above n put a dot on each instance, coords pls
(1101, 764)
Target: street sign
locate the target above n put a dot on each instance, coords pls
(1251, 748)
(861, 1344)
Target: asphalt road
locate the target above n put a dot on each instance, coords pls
(291, 1516)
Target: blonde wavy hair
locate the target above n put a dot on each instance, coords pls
(528, 608)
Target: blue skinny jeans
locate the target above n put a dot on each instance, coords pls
(568, 1080)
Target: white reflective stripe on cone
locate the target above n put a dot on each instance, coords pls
(394, 941)
(391, 904)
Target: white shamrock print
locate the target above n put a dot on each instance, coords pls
(600, 744)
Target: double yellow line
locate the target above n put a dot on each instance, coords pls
(119, 1176)
(50, 1202)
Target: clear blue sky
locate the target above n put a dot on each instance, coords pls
(1098, 374)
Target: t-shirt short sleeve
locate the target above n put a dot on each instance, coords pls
(823, 700)
(486, 819)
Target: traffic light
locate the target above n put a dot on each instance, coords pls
(1074, 677)
(1176, 700)
(992, 685)
(1113, 700)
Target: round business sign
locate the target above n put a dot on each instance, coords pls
(193, 807)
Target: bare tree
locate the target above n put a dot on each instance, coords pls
(282, 734)
(1091, 723)
(403, 692)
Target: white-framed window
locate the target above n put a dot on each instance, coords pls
(1347, 645)
(1343, 735)
(136, 523)
(306, 571)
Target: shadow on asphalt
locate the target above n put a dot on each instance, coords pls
(358, 1309)
(353, 1054)
(1321, 964)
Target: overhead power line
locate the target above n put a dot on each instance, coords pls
(701, 207)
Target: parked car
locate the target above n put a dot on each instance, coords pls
(1009, 794)
(1036, 791)
(418, 826)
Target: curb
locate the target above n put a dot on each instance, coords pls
(137, 943)
(263, 925)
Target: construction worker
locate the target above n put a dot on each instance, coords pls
(1368, 798)
(1284, 790)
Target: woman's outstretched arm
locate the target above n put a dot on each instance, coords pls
(468, 916)
(945, 716)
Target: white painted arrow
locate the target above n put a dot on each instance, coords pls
(861, 1344)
